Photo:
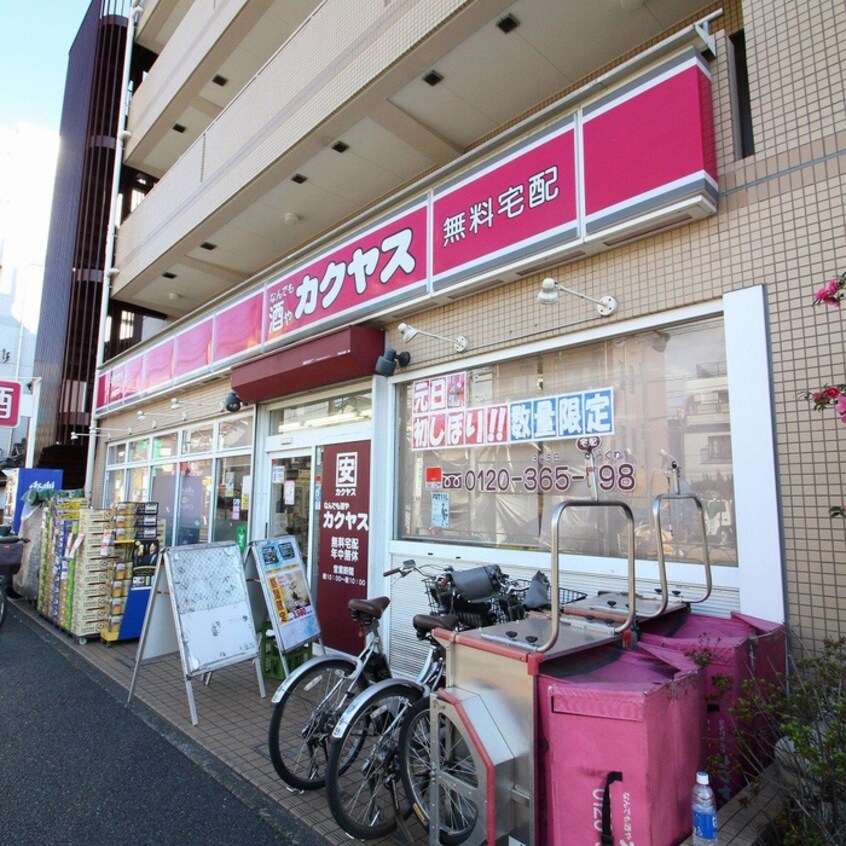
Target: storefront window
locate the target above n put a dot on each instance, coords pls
(115, 486)
(139, 450)
(116, 454)
(164, 446)
(235, 433)
(194, 502)
(183, 487)
(137, 485)
(486, 454)
(198, 440)
(326, 412)
(163, 491)
(232, 505)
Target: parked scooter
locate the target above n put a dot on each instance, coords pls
(11, 554)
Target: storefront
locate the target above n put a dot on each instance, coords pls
(459, 455)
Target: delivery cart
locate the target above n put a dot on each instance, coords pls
(509, 687)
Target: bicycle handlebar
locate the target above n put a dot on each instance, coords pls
(407, 567)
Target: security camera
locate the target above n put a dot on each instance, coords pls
(232, 403)
(386, 364)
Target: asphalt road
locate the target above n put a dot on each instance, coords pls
(78, 768)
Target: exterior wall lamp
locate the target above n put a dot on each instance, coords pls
(550, 290)
(409, 332)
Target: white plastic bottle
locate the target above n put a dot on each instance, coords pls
(704, 807)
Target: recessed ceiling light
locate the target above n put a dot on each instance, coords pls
(298, 178)
(432, 78)
(508, 24)
(207, 245)
(169, 275)
(172, 295)
(178, 127)
(340, 147)
(217, 79)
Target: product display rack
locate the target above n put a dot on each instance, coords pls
(76, 562)
(136, 538)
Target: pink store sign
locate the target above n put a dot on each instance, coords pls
(518, 204)
(650, 143)
(644, 150)
(376, 267)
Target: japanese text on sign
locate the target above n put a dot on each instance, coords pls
(10, 397)
(384, 260)
(512, 202)
(440, 419)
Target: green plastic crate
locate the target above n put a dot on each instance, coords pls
(271, 660)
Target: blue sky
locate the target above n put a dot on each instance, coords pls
(35, 37)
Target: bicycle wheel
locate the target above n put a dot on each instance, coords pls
(457, 812)
(362, 774)
(303, 719)
(3, 604)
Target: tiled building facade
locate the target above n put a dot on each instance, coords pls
(777, 234)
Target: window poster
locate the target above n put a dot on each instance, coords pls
(440, 510)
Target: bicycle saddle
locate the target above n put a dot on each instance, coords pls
(426, 623)
(370, 607)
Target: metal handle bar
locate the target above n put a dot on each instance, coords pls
(407, 567)
(706, 558)
(553, 568)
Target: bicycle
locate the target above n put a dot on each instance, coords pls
(363, 773)
(310, 700)
(376, 745)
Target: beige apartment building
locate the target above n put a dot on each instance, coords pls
(429, 267)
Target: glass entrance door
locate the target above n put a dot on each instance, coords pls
(290, 498)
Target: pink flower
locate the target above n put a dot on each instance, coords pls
(826, 396)
(831, 293)
(840, 408)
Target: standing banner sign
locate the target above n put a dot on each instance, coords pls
(280, 570)
(344, 538)
(199, 607)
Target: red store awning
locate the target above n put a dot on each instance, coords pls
(338, 357)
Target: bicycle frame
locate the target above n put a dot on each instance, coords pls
(428, 679)
(374, 647)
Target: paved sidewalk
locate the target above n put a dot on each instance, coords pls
(230, 737)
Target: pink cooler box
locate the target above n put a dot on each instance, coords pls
(619, 744)
(731, 651)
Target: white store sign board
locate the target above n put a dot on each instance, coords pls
(199, 607)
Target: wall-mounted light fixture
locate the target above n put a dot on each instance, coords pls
(409, 333)
(96, 432)
(550, 290)
(386, 364)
